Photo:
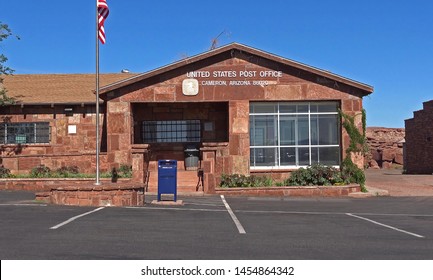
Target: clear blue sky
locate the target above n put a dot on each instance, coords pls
(384, 43)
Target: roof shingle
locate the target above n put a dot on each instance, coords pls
(57, 88)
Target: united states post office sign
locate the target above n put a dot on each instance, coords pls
(190, 86)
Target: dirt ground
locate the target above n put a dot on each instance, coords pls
(398, 184)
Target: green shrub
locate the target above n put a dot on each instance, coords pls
(315, 175)
(125, 171)
(242, 181)
(40, 171)
(358, 144)
(68, 171)
(352, 173)
(4, 172)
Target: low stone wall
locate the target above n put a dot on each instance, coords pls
(324, 191)
(46, 184)
(80, 192)
(91, 195)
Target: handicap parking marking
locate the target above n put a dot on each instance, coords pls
(76, 217)
(384, 225)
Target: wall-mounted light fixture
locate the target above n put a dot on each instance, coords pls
(69, 111)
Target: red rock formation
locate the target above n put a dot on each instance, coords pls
(386, 146)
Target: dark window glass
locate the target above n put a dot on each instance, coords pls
(288, 156)
(25, 133)
(294, 133)
(263, 156)
(171, 131)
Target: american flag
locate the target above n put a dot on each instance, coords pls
(102, 16)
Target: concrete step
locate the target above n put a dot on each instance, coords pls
(183, 193)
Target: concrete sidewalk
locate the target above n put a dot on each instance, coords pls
(392, 182)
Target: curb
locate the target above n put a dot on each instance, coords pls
(371, 192)
(168, 202)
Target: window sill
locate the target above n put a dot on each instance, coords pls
(26, 144)
(281, 168)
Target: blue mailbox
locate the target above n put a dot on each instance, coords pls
(167, 178)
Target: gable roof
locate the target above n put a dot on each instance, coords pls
(57, 88)
(243, 48)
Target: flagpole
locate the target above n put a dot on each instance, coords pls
(97, 96)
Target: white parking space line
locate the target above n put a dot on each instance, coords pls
(288, 212)
(76, 217)
(331, 213)
(242, 230)
(383, 225)
(234, 218)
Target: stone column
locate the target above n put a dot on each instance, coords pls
(139, 162)
(118, 133)
(239, 139)
(352, 107)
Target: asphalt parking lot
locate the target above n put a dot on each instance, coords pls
(214, 227)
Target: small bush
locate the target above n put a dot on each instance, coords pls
(40, 171)
(4, 172)
(315, 175)
(125, 171)
(352, 173)
(68, 171)
(242, 181)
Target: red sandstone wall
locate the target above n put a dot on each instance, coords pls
(64, 149)
(419, 141)
(119, 131)
(293, 85)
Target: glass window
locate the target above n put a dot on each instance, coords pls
(329, 155)
(303, 133)
(294, 134)
(25, 133)
(171, 131)
(263, 107)
(263, 156)
(329, 107)
(287, 108)
(328, 129)
(263, 131)
(287, 130)
(288, 156)
(304, 156)
(324, 129)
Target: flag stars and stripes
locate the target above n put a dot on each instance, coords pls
(103, 12)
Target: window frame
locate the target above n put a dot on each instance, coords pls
(312, 113)
(169, 130)
(37, 133)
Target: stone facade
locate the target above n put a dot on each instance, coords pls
(64, 148)
(240, 75)
(419, 141)
(160, 97)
